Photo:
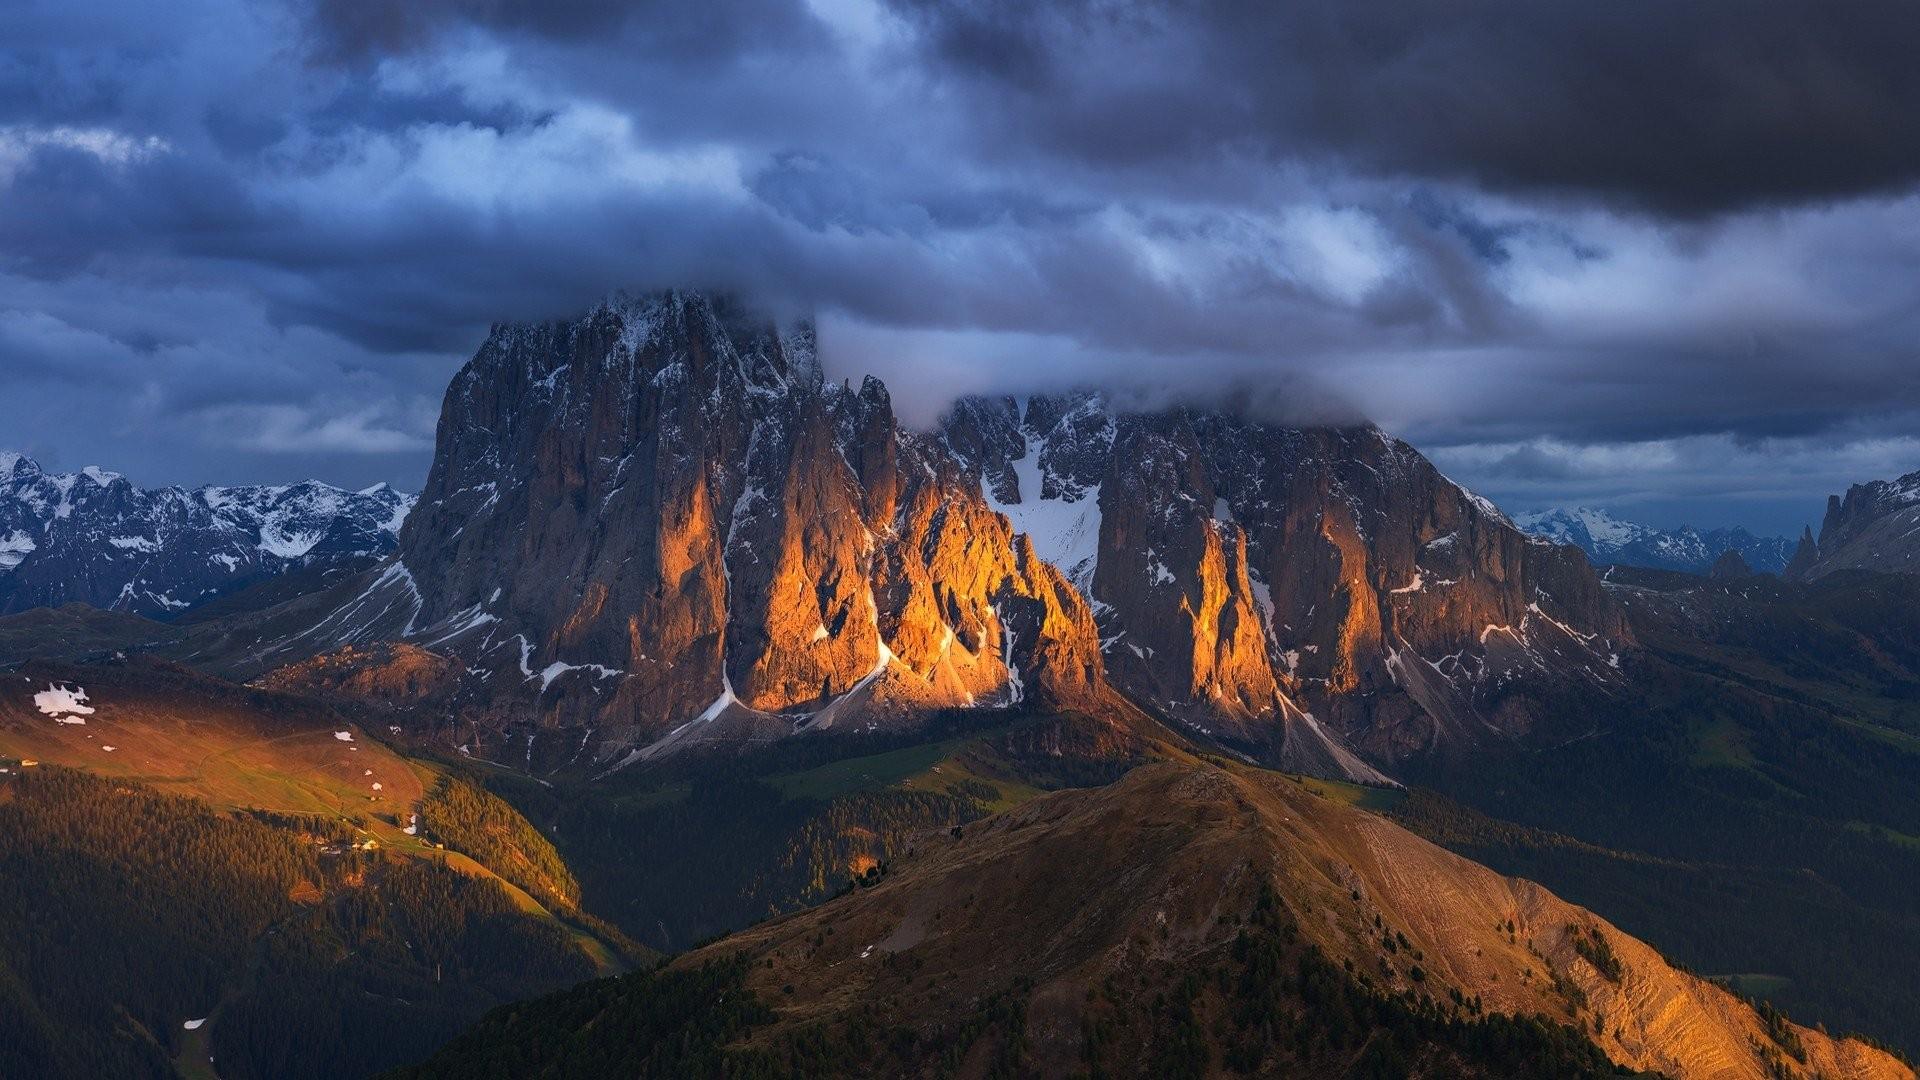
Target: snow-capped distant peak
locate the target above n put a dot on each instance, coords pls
(1581, 525)
(1609, 539)
(15, 464)
(92, 537)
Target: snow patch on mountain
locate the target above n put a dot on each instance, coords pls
(66, 704)
(286, 545)
(1061, 516)
(15, 546)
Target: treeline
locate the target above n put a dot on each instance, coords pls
(386, 973)
(686, 849)
(1267, 1004)
(1279, 1006)
(125, 913)
(669, 1025)
(476, 822)
(862, 830)
(733, 851)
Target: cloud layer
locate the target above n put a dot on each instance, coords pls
(1656, 256)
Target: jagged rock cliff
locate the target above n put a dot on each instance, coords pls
(1876, 526)
(656, 526)
(1251, 577)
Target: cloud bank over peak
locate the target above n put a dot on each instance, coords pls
(1492, 227)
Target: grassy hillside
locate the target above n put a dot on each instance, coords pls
(1848, 644)
(72, 631)
(472, 820)
(326, 905)
(1272, 1004)
(1742, 811)
(231, 746)
(126, 914)
(1748, 835)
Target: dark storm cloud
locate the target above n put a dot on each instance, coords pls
(689, 33)
(1688, 108)
(1605, 246)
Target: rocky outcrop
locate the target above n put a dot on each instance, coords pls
(1876, 526)
(91, 537)
(1729, 567)
(1805, 554)
(656, 526)
(1260, 583)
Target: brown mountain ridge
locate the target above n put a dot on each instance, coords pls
(1188, 920)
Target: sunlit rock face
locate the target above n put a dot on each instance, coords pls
(657, 526)
(660, 515)
(1259, 582)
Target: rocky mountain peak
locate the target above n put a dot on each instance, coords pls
(93, 537)
(656, 525)
(1249, 576)
(1730, 567)
(15, 465)
(1805, 554)
(1873, 527)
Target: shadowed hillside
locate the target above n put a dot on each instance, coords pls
(1186, 921)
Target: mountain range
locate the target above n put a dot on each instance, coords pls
(1066, 736)
(657, 526)
(92, 537)
(1608, 540)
